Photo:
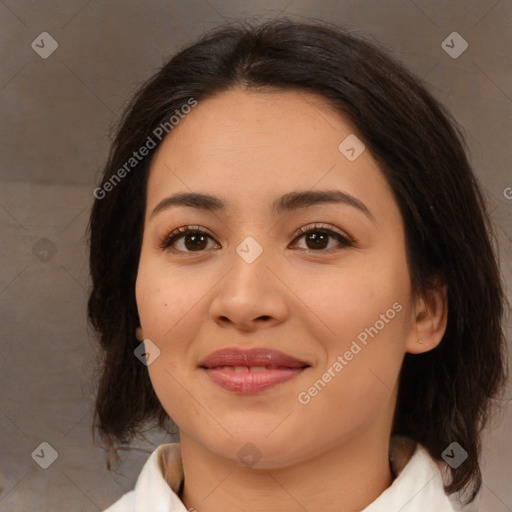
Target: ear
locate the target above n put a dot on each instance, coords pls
(138, 334)
(431, 317)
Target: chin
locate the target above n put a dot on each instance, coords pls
(259, 452)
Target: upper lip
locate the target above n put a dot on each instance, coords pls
(250, 357)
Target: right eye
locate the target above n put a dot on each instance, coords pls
(194, 239)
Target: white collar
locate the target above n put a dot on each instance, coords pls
(418, 486)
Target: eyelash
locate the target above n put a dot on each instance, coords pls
(181, 232)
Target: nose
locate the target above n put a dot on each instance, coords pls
(250, 296)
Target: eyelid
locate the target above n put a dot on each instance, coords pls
(322, 226)
(329, 229)
(174, 235)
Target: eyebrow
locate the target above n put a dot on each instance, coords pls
(284, 204)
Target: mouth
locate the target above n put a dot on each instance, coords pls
(251, 371)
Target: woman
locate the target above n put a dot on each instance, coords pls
(292, 259)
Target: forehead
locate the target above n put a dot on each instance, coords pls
(248, 116)
(250, 145)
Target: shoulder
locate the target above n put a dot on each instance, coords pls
(153, 492)
(124, 504)
(418, 485)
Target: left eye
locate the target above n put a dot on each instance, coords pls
(319, 236)
(195, 239)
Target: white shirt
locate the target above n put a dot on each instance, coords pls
(418, 486)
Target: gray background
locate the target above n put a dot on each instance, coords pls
(57, 113)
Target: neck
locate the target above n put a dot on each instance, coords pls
(350, 476)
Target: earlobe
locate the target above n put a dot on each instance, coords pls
(430, 321)
(138, 334)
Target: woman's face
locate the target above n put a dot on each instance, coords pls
(342, 309)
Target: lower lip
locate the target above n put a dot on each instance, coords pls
(251, 382)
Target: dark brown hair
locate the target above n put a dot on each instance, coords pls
(445, 394)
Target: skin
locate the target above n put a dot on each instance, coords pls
(248, 148)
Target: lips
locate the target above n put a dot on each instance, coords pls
(256, 357)
(249, 371)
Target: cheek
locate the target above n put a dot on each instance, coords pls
(162, 298)
(365, 319)
(169, 303)
(163, 301)
(356, 388)
(349, 300)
